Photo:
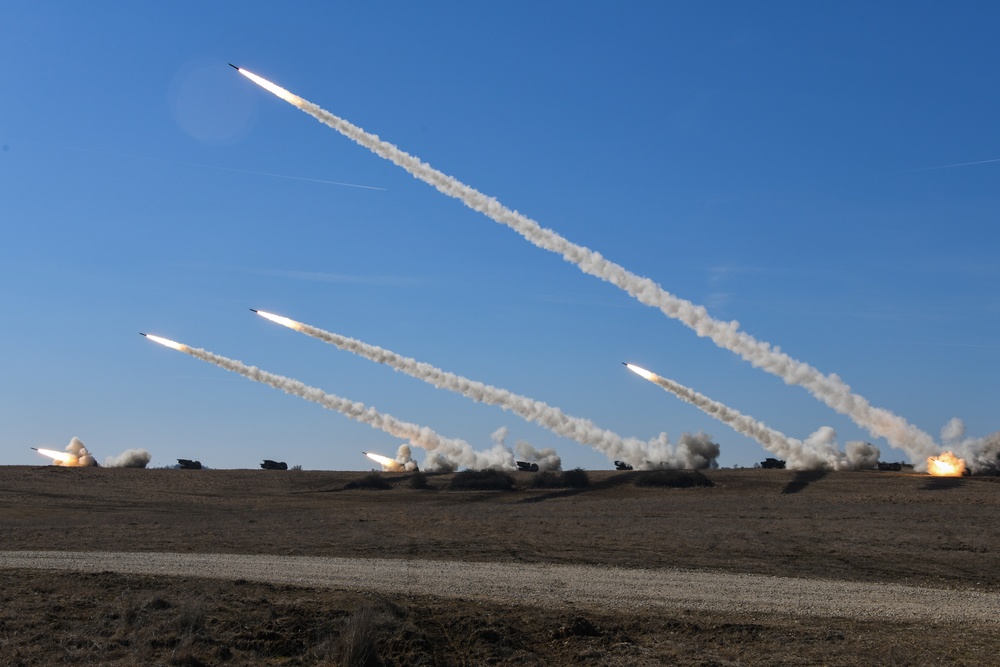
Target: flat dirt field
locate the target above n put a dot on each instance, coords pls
(252, 567)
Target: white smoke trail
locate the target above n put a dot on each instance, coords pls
(444, 453)
(581, 430)
(817, 452)
(829, 389)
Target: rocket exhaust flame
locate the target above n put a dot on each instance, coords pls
(829, 389)
(816, 452)
(552, 418)
(59, 458)
(76, 455)
(946, 465)
(165, 341)
(446, 451)
(273, 88)
(283, 321)
(388, 465)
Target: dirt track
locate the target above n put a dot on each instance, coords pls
(135, 567)
(550, 586)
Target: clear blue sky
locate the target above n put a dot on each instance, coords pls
(782, 163)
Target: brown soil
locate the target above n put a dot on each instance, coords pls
(865, 527)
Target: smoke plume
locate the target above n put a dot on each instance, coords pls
(76, 455)
(817, 452)
(130, 458)
(443, 453)
(402, 463)
(698, 450)
(829, 389)
(79, 450)
(581, 430)
(982, 455)
(405, 458)
(547, 459)
(863, 455)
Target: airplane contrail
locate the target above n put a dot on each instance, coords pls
(829, 389)
(443, 453)
(815, 453)
(637, 452)
(958, 164)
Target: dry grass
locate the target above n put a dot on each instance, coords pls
(673, 479)
(373, 481)
(569, 479)
(481, 480)
(895, 527)
(131, 621)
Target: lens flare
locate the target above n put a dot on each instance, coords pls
(946, 465)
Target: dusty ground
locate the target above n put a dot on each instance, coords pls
(862, 528)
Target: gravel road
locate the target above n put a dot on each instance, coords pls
(549, 585)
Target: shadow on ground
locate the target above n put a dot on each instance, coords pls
(609, 483)
(942, 483)
(802, 479)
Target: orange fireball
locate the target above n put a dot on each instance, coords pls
(946, 465)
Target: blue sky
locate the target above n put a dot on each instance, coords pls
(784, 164)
